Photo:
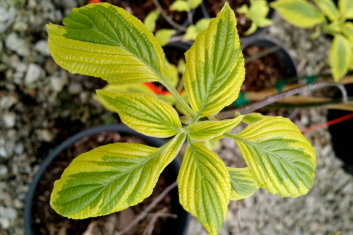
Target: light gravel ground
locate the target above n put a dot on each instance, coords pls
(35, 94)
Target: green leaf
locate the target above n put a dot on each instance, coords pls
(194, 3)
(299, 12)
(105, 41)
(347, 30)
(264, 22)
(242, 182)
(333, 28)
(252, 117)
(191, 33)
(180, 5)
(258, 10)
(150, 20)
(143, 113)
(252, 29)
(204, 186)
(244, 9)
(346, 8)
(173, 74)
(329, 8)
(206, 130)
(340, 57)
(130, 88)
(111, 178)
(279, 157)
(163, 35)
(215, 65)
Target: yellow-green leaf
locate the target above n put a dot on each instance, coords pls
(111, 178)
(204, 187)
(215, 65)
(143, 113)
(242, 182)
(105, 41)
(173, 75)
(194, 3)
(329, 8)
(193, 30)
(130, 88)
(346, 8)
(300, 13)
(180, 5)
(163, 35)
(279, 157)
(191, 33)
(340, 57)
(252, 117)
(206, 130)
(252, 29)
(347, 30)
(150, 20)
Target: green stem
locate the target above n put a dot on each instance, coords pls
(179, 99)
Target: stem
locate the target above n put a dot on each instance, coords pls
(190, 17)
(167, 18)
(145, 212)
(273, 98)
(179, 99)
(262, 54)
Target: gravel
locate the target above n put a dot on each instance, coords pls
(41, 105)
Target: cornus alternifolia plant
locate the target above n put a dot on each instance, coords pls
(326, 18)
(105, 41)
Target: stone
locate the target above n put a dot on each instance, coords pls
(44, 135)
(9, 119)
(42, 47)
(7, 17)
(8, 212)
(75, 88)
(3, 170)
(33, 74)
(3, 153)
(19, 45)
(58, 83)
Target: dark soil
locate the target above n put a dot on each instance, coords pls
(262, 73)
(47, 222)
(140, 9)
(243, 24)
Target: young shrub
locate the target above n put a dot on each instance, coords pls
(105, 41)
(330, 20)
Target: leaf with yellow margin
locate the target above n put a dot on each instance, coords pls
(215, 65)
(106, 41)
(279, 157)
(111, 178)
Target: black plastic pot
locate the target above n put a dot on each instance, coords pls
(286, 62)
(179, 225)
(282, 53)
(341, 134)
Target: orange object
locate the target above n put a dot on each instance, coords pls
(328, 123)
(156, 89)
(93, 1)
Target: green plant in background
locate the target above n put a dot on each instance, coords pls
(105, 41)
(164, 35)
(185, 5)
(331, 20)
(257, 13)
